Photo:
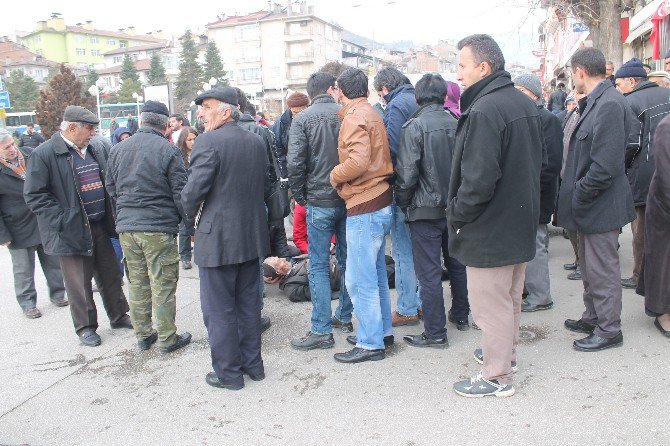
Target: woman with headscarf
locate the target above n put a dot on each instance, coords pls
(186, 228)
(120, 134)
(452, 100)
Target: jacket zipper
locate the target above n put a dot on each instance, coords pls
(81, 202)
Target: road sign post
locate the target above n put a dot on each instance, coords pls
(4, 99)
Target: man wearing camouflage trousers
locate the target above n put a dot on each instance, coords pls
(146, 176)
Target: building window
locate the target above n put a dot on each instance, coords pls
(118, 59)
(111, 42)
(123, 43)
(95, 53)
(80, 52)
(38, 39)
(249, 75)
(78, 38)
(249, 54)
(248, 32)
(94, 40)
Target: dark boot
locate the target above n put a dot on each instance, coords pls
(279, 246)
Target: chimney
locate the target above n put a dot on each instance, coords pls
(303, 7)
(56, 23)
(289, 8)
(131, 30)
(158, 34)
(88, 25)
(310, 10)
(41, 25)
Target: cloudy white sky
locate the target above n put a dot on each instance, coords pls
(512, 22)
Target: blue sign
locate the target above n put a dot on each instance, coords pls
(579, 28)
(4, 99)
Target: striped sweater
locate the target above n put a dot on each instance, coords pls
(91, 188)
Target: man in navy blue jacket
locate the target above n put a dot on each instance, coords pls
(398, 93)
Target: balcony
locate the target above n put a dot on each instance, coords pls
(298, 37)
(306, 57)
(297, 79)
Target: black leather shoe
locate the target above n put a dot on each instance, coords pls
(265, 323)
(60, 302)
(594, 343)
(356, 355)
(579, 326)
(629, 283)
(124, 322)
(388, 340)
(527, 308)
(146, 343)
(182, 341)
(461, 324)
(575, 275)
(658, 325)
(214, 381)
(423, 341)
(570, 266)
(258, 376)
(90, 338)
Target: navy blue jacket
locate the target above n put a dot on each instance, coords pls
(401, 105)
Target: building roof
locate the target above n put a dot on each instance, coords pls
(132, 49)
(140, 65)
(99, 32)
(357, 40)
(12, 54)
(264, 15)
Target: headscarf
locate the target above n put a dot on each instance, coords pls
(116, 137)
(451, 102)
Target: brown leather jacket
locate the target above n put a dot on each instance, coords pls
(365, 157)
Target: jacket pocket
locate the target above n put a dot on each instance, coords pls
(205, 227)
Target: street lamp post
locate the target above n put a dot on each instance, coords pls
(95, 91)
(138, 99)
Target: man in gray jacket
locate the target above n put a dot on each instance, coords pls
(312, 155)
(146, 176)
(595, 198)
(650, 105)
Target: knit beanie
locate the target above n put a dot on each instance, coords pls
(531, 83)
(632, 68)
(297, 100)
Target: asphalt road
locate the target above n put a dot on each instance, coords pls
(56, 392)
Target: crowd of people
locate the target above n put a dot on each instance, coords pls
(464, 182)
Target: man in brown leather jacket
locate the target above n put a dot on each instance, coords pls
(361, 179)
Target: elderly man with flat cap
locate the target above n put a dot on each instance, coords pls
(225, 192)
(65, 188)
(145, 178)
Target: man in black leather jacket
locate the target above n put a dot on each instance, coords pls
(423, 171)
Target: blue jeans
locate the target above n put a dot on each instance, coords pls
(119, 252)
(322, 223)
(366, 276)
(409, 301)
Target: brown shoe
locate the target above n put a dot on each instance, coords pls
(60, 302)
(32, 313)
(399, 319)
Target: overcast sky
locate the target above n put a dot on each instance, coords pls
(511, 22)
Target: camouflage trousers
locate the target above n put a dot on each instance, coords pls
(152, 268)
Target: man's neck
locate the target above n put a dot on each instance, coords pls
(590, 83)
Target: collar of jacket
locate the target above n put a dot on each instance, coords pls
(427, 108)
(495, 81)
(151, 130)
(397, 91)
(322, 98)
(350, 106)
(643, 86)
(246, 117)
(586, 103)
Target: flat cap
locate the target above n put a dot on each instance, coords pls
(75, 113)
(155, 107)
(224, 94)
(659, 74)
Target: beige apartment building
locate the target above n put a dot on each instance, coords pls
(270, 53)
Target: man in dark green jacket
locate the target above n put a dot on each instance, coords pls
(494, 206)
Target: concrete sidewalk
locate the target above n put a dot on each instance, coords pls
(56, 392)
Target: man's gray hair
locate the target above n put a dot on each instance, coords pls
(65, 124)
(4, 134)
(484, 49)
(153, 120)
(234, 111)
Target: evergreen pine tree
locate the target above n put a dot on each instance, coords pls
(213, 66)
(156, 74)
(190, 73)
(128, 70)
(91, 78)
(23, 91)
(64, 89)
(128, 87)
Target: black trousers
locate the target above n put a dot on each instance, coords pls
(23, 264)
(429, 241)
(77, 274)
(231, 309)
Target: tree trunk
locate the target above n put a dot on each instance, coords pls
(607, 37)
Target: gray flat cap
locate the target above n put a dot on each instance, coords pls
(224, 94)
(74, 113)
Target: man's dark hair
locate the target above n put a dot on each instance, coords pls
(484, 49)
(390, 78)
(560, 86)
(241, 99)
(431, 89)
(645, 65)
(250, 109)
(639, 79)
(177, 116)
(591, 60)
(353, 83)
(318, 83)
(30, 124)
